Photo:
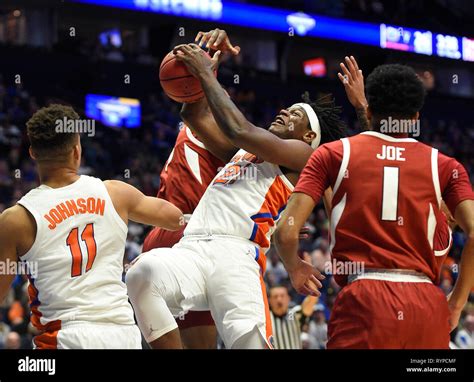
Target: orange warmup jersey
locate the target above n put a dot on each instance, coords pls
(188, 171)
(386, 202)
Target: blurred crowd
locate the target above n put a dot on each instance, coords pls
(137, 156)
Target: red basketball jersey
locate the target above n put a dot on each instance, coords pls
(187, 173)
(386, 200)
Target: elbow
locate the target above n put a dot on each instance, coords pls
(285, 236)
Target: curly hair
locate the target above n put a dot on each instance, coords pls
(45, 139)
(329, 116)
(394, 90)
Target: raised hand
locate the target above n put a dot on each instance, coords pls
(353, 82)
(196, 60)
(217, 39)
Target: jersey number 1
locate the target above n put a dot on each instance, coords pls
(72, 241)
(391, 180)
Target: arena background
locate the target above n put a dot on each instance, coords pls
(61, 51)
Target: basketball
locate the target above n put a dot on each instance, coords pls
(177, 82)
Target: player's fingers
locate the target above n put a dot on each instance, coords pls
(305, 290)
(198, 37)
(213, 38)
(318, 274)
(178, 48)
(235, 50)
(354, 62)
(351, 66)
(221, 36)
(183, 48)
(344, 79)
(204, 38)
(312, 288)
(215, 58)
(346, 72)
(193, 46)
(316, 281)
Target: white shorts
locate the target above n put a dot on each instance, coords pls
(222, 275)
(90, 335)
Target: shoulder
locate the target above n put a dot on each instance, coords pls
(15, 221)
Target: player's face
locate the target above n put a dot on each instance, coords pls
(291, 123)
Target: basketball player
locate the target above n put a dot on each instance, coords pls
(71, 232)
(386, 215)
(219, 263)
(200, 151)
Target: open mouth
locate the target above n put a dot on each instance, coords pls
(278, 121)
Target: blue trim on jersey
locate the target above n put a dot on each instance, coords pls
(257, 254)
(262, 215)
(36, 301)
(254, 231)
(268, 214)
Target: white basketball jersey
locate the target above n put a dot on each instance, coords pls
(78, 255)
(245, 199)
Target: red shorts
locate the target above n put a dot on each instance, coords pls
(161, 238)
(375, 314)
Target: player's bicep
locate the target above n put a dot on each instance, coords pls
(294, 216)
(464, 215)
(8, 250)
(147, 209)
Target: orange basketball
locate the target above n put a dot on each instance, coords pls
(177, 82)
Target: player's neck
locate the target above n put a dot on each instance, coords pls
(394, 135)
(57, 176)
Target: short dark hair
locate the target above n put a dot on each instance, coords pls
(394, 90)
(329, 116)
(45, 140)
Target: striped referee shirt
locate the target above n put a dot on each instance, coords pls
(287, 329)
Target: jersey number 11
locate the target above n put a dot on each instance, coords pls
(72, 241)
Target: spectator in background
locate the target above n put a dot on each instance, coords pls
(318, 328)
(4, 330)
(465, 337)
(288, 323)
(12, 341)
(276, 273)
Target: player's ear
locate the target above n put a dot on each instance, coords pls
(77, 152)
(32, 154)
(309, 136)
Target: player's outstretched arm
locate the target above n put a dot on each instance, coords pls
(199, 118)
(132, 204)
(353, 82)
(464, 215)
(198, 115)
(290, 153)
(304, 277)
(10, 232)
